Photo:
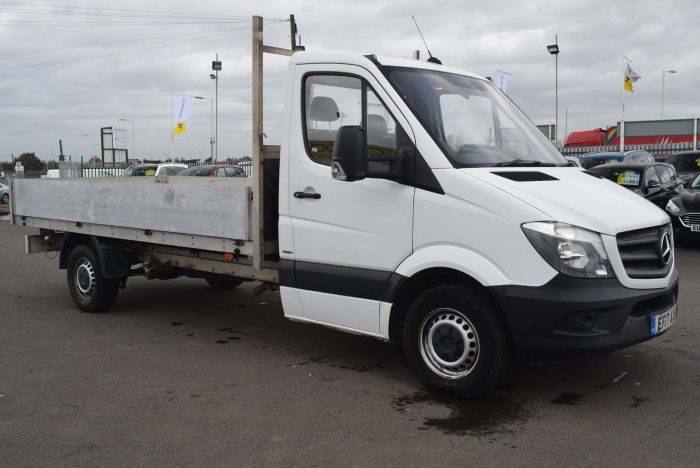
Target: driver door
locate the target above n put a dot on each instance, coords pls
(348, 237)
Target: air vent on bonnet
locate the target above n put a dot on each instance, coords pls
(525, 176)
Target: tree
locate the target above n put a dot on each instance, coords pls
(30, 162)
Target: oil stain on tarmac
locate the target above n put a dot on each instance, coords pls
(493, 415)
(567, 399)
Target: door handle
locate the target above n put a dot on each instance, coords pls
(315, 196)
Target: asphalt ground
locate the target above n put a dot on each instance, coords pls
(180, 375)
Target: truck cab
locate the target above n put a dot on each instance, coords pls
(417, 203)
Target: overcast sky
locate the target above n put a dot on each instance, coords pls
(41, 103)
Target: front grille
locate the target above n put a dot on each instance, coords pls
(690, 218)
(641, 252)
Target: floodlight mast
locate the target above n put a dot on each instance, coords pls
(554, 50)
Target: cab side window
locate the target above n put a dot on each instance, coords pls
(381, 127)
(333, 101)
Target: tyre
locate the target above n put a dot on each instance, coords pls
(91, 291)
(456, 341)
(5, 198)
(223, 282)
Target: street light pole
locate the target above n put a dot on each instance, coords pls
(554, 50)
(216, 125)
(211, 117)
(663, 76)
(211, 137)
(556, 93)
(133, 135)
(93, 143)
(216, 67)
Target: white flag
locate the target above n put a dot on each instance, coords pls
(182, 110)
(502, 80)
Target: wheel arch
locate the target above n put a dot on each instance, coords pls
(68, 243)
(411, 287)
(111, 254)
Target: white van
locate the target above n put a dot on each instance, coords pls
(408, 201)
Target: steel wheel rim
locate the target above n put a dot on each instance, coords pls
(449, 343)
(85, 279)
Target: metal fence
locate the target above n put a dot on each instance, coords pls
(245, 163)
(658, 151)
(76, 169)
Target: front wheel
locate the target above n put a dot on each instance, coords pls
(90, 291)
(5, 199)
(456, 340)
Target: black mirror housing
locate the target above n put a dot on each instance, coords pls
(349, 161)
(653, 184)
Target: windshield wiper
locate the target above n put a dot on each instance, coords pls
(523, 162)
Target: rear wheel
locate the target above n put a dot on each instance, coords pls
(90, 291)
(456, 341)
(5, 198)
(223, 282)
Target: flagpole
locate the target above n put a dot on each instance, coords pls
(172, 127)
(622, 121)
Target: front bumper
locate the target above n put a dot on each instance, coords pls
(575, 317)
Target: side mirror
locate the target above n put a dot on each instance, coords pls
(349, 161)
(653, 184)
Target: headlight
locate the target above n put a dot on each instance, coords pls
(571, 250)
(672, 207)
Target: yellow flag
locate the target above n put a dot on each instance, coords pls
(179, 128)
(630, 77)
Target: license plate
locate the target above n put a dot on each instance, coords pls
(695, 227)
(661, 322)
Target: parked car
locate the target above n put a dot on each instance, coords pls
(215, 170)
(684, 209)
(687, 163)
(589, 160)
(4, 194)
(170, 169)
(573, 161)
(657, 182)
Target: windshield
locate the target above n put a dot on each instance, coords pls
(685, 162)
(198, 171)
(473, 122)
(630, 178)
(589, 162)
(695, 184)
(140, 171)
